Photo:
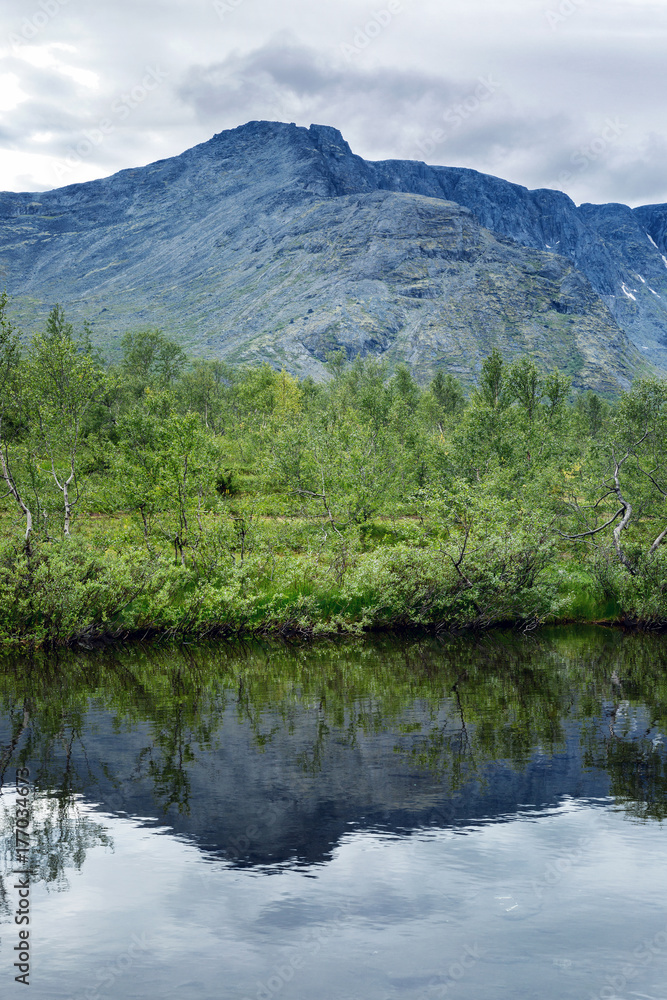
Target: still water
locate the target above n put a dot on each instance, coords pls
(381, 820)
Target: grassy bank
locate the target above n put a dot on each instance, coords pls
(106, 583)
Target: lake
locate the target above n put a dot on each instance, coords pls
(386, 819)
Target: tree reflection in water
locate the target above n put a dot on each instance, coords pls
(61, 829)
(451, 707)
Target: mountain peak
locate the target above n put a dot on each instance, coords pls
(275, 241)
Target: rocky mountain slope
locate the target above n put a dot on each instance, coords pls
(276, 242)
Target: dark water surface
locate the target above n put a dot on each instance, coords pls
(358, 821)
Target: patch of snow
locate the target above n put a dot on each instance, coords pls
(643, 280)
(664, 259)
(653, 242)
(629, 294)
(654, 291)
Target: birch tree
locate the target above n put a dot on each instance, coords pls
(634, 490)
(10, 406)
(165, 469)
(65, 384)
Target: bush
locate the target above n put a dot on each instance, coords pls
(67, 589)
(498, 583)
(643, 597)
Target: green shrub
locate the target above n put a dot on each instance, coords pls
(643, 597)
(67, 589)
(498, 583)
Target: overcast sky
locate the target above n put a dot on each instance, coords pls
(546, 93)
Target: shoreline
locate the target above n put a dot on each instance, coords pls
(157, 636)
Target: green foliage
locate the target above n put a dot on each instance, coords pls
(448, 393)
(66, 590)
(150, 358)
(593, 411)
(641, 597)
(525, 384)
(10, 351)
(494, 387)
(404, 387)
(498, 583)
(51, 392)
(556, 388)
(164, 469)
(63, 384)
(246, 499)
(364, 387)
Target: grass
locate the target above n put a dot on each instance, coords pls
(391, 574)
(581, 595)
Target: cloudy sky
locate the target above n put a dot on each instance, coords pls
(546, 93)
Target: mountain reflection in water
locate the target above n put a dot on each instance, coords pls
(402, 801)
(266, 754)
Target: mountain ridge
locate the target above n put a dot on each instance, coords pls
(276, 242)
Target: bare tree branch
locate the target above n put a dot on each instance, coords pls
(627, 509)
(593, 531)
(661, 537)
(655, 483)
(13, 491)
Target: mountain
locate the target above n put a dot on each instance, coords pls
(275, 242)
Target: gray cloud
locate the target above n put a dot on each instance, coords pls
(286, 73)
(640, 176)
(392, 89)
(382, 112)
(386, 108)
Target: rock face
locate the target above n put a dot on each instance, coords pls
(272, 242)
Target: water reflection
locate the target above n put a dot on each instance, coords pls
(367, 810)
(266, 753)
(548, 903)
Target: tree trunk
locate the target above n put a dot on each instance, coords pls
(9, 479)
(68, 510)
(625, 520)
